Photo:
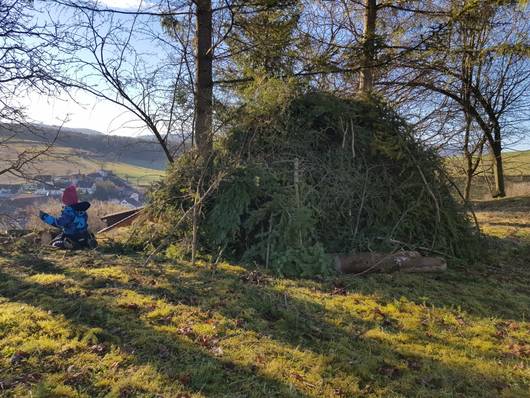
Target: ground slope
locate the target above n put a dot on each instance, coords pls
(516, 163)
(60, 161)
(102, 324)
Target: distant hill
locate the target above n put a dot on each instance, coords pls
(143, 151)
(64, 130)
(140, 160)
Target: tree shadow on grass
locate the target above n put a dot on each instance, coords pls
(486, 294)
(295, 321)
(171, 356)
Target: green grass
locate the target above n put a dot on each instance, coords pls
(516, 170)
(135, 174)
(104, 325)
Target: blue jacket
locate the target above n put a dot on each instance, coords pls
(73, 219)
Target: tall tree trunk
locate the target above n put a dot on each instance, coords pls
(469, 162)
(366, 82)
(203, 80)
(498, 168)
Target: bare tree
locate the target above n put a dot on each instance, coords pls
(478, 64)
(28, 63)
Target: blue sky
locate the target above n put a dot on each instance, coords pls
(89, 112)
(86, 111)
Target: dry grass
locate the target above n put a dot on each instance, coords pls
(514, 188)
(516, 168)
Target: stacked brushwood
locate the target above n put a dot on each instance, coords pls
(315, 176)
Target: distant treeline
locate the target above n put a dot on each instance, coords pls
(139, 151)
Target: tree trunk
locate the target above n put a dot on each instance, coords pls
(468, 155)
(203, 81)
(467, 191)
(498, 169)
(366, 81)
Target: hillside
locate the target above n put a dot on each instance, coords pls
(142, 152)
(103, 324)
(61, 161)
(516, 163)
(517, 174)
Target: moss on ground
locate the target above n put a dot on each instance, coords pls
(103, 325)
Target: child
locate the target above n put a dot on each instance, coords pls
(73, 221)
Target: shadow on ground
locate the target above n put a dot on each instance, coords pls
(229, 332)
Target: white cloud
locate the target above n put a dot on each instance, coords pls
(125, 4)
(85, 112)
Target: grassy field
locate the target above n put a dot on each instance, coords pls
(517, 175)
(515, 163)
(104, 325)
(67, 161)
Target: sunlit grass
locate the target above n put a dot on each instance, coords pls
(516, 163)
(94, 325)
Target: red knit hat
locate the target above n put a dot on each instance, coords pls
(69, 196)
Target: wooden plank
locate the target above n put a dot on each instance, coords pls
(113, 218)
(122, 223)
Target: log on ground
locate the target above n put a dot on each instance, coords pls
(403, 261)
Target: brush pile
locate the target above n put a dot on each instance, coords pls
(319, 175)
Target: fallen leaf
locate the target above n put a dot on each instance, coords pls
(98, 349)
(185, 331)
(184, 379)
(519, 350)
(297, 376)
(255, 278)
(217, 351)
(378, 311)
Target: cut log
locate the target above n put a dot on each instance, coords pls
(403, 261)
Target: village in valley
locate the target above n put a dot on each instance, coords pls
(103, 185)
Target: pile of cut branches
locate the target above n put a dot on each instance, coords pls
(320, 175)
